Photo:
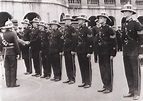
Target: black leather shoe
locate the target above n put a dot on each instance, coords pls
(43, 76)
(66, 81)
(56, 80)
(87, 86)
(128, 95)
(103, 89)
(106, 91)
(52, 79)
(82, 85)
(48, 77)
(27, 73)
(38, 75)
(71, 82)
(34, 75)
(136, 97)
(15, 86)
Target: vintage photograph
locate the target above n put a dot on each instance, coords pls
(71, 50)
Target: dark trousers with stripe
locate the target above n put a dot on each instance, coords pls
(70, 65)
(54, 60)
(106, 71)
(85, 68)
(46, 64)
(10, 65)
(133, 74)
(36, 61)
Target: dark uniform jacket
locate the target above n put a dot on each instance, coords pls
(55, 42)
(34, 40)
(11, 38)
(25, 37)
(44, 40)
(105, 41)
(84, 40)
(131, 44)
(69, 39)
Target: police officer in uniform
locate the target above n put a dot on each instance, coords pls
(131, 47)
(25, 48)
(69, 49)
(106, 50)
(84, 50)
(44, 40)
(35, 44)
(55, 50)
(11, 53)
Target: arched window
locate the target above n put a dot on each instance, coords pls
(123, 2)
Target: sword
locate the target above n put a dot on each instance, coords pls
(40, 62)
(30, 61)
(111, 66)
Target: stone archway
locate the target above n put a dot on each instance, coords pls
(4, 16)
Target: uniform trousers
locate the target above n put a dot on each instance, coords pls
(85, 68)
(10, 65)
(55, 62)
(106, 71)
(70, 65)
(133, 74)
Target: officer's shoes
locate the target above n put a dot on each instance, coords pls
(34, 74)
(27, 73)
(87, 86)
(52, 79)
(82, 85)
(56, 80)
(48, 77)
(136, 97)
(71, 82)
(15, 86)
(101, 90)
(44, 76)
(106, 91)
(66, 81)
(128, 95)
(38, 75)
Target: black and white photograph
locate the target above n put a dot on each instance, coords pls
(71, 50)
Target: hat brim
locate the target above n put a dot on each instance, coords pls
(34, 21)
(123, 10)
(6, 27)
(41, 25)
(24, 23)
(80, 18)
(54, 24)
(104, 17)
(67, 19)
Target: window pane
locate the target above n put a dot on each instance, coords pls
(92, 1)
(109, 1)
(74, 1)
(139, 2)
(123, 2)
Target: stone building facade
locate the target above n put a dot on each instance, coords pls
(52, 9)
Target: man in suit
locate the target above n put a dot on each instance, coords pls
(105, 46)
(84, 50)
(11, 53)
(69, 36)
(131, 49)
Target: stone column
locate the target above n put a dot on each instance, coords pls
(133, 2)
(118, 3)
(84, 3)
(101, 3)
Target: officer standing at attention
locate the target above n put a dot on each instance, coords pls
(69, 49)
(35, 44)
(11, 53)
(84, 50)
(106, 51)
(25, 48)
(55, 50)
(131, 29)
(44, 40)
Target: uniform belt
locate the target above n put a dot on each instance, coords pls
(10, 44)
(8, 47)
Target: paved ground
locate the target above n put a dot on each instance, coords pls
(36, 89)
